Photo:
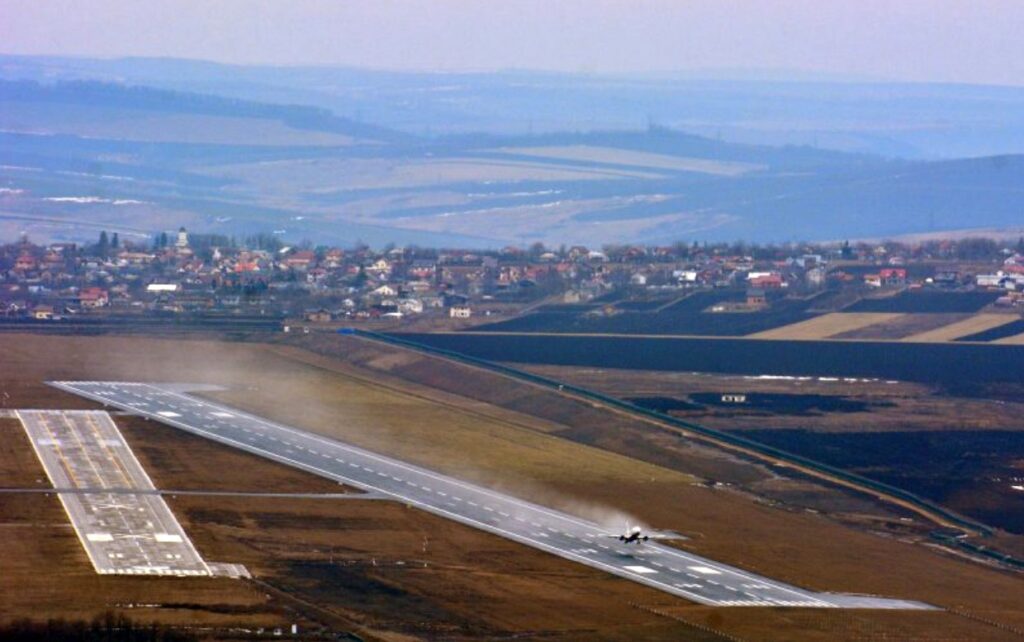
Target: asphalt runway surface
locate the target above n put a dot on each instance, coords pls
(674, 571)
(122, 533)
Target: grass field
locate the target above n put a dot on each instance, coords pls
(971, 325)
(394, 573)
(826, 325)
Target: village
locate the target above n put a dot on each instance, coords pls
(195, 274)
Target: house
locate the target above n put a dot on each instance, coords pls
(161, 288)
(319, 315)
(756, 298)
(300, 260)
(422, 269)
(766, 281)
(460, 312)
(334, 258)
(685, 276)
(42, 312)
(380, 267)
(816, 276)
(990, 280)
(25, 263)
(385, 290)
(410, 306)
(93, 298)
(893, 277)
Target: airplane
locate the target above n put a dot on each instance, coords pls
(636, 535)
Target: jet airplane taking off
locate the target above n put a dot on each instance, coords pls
(635, 535)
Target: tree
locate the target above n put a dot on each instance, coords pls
(115, 242)
(104, 244)
(361, 277)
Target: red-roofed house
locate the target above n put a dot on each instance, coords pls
(767, 282)
(300, 260)
(93, 298)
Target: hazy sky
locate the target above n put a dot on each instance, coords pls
(944, 40)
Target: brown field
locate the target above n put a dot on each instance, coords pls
(588, 153)
(324, 175)
(902, 326)
(962, 328)
(1016, 340)
(826, 325)
(897, 406)
(390, 572)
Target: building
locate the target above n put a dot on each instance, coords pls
(319, 315)
(893, 277)
(161, 288)
(756, 298)
(460, 312)
(770, 281)
(301, 260)
(42, 312)
(182, 242)
(93, 298)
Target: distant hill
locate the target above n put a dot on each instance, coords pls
(113, 101)
(907, 120)
(99, 152)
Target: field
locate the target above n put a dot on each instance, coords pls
(390, 572)
(969, 326)
(919, 327)
(927, 301)
(951, 364)
(826, 325)
(1006, 333)
(964, 452)
(1016, 340)
(612, 156)
(690, 315)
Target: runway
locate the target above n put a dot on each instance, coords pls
(674, 571)
(123, 534)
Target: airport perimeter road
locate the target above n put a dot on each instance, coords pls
(671, 570)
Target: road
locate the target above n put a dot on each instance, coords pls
(674, 571)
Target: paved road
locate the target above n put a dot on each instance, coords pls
(124, 534)
(671, 570)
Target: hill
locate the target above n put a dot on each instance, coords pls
(909, 120)
(102, 154)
